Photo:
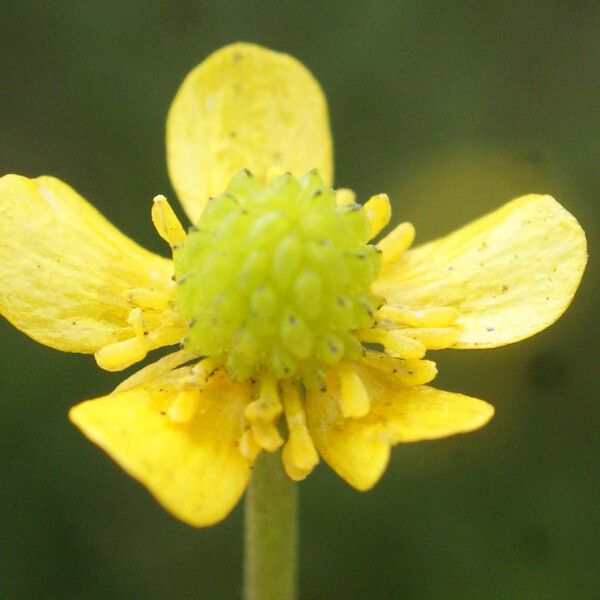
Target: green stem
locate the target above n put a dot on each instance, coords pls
(271, 532)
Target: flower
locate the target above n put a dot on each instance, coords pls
(281, 304)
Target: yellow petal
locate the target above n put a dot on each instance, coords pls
(245, 106)
(195, 468)
(65, 269)
(358, 449)
(357, 452)
(510, 274)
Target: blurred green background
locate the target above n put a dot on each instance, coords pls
(450, 107)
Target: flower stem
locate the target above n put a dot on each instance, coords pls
(270, 532)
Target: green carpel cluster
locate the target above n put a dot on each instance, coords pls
(277, 278)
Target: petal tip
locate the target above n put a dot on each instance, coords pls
(487, 411)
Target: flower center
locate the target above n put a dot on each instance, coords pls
(276, 279)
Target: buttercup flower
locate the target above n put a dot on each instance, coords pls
(296, 333)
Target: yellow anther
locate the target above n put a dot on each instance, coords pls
(344, 197)
(206, 367)
(184, 406)
(147, 299)
(266, 435)
(120, 355)
(154, 320)
(396, 242)
(136, 320)
(395, 342)
(355, 401)
(248, 446)
(299, 455)
(274, 172)
(166, 222)
(166, 335)
(434, 338)
(428, 317)
(264, 413)
(409, 371)
(378, 212)
(416, 372)
(292, 404)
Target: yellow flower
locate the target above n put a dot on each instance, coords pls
(190, 426)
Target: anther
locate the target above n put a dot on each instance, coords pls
(299, 455)
(410, 372)
(147, 299)
(416, 372)
(206, 367)
(248, 446)
(378, 212)
(166, 222)
(344, 197)
(434, 338)
(136, 320)
(264, 413)
(184, 406)
(395, 342)
(428, 317)
(355, 401)
(274, 172)
(120, 355)
(395, 243)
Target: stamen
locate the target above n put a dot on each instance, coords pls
(184, 406)
(264, 413)
(344, 197)
(434, 338)
(168, 334)
(355, 401)
(147, 299)
(120, 355)
(411, 372)
(417, 372)
(427, 317)
(206, 367)
(396, 242)
(274, 172)
(395, 342)
(166, 222)
(248, 445)
(136, 320)
(379, 212)
(299, 455)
